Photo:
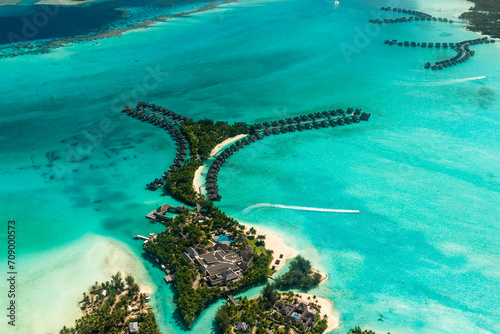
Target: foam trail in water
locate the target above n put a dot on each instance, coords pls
(302, 208)
(440, 83)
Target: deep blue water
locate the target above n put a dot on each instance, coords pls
(23, 22)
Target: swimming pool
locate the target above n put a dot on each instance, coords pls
(224, 238)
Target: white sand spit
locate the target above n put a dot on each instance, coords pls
(226, 142)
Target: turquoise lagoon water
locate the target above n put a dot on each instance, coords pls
(422, 256)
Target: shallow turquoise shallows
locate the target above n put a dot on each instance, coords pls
(422, 255)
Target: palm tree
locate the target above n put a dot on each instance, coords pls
(141, 300)
(117, 281)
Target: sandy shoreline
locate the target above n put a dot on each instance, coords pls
(326, 308)
(323, 275)
(226, 142)
(198, 180)
(278, 246)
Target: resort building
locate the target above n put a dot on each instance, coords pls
(133, 327)
(297, 314)
(219, 263)
(242, 327)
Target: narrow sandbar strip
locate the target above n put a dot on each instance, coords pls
(226, 142)
(198, 179)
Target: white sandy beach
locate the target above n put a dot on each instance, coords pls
(326, 308)
(199, 180)
(226, 142)
(278, 246)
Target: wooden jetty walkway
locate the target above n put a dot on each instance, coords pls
(172, 121)
(232, 300)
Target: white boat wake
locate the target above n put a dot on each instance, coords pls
(301, 208)
(440, 83)
(467, 79)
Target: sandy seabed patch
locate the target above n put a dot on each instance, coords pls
(51, 283)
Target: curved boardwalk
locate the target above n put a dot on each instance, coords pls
(171, 121)
(317, 120)
(417, 16)
(168, 120)
(462, 48)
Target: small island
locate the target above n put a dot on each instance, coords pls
(300, 275)
(207, 255)
(274, 312)
(484, 17)
(116, 306)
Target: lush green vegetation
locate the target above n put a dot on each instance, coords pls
(300, 275)
(191, 301)
(192, 295)
(204, 135)
(484, 17)
(108, 313)
(258, 313)
(179, 184)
